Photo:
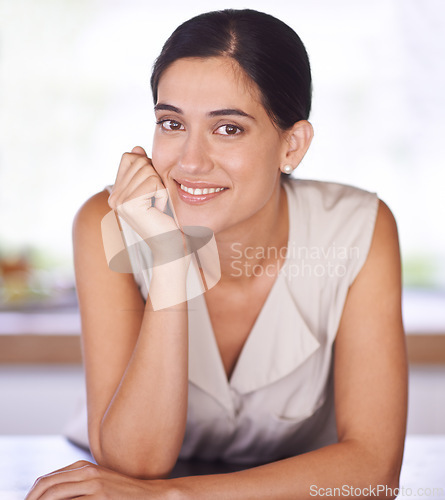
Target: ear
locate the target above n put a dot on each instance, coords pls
(296, 143)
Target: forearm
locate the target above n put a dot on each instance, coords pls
(343, 465)
(143, 428)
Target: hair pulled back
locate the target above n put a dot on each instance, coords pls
(268, 51)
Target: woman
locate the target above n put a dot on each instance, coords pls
(247, 372)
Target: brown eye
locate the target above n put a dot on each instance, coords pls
(174, 125)
(170, 125)
(229, 130)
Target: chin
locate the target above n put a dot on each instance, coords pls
(197, 220)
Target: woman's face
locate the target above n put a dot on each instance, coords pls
(214, 137)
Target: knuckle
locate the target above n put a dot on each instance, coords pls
(81, 463)
(146, 165)
(92, 472)
(152, 176)
(39, 480)
(56, 490)
(142, 167)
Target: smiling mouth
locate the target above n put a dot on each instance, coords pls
(201, 191)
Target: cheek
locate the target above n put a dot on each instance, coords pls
(163, 156)
(256, 163)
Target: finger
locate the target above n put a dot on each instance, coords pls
(144, 219)
(142, 183)
(126, 163)
(76, 474)
(130, 165)
(149, 193)
(75, 465)
(138, 202)
(63, 491)
(139, 150)
(134, 211)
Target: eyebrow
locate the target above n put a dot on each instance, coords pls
(217, 112)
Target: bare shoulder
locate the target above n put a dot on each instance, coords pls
(95, 281)
(91, 211)
(385, 225)
(377, 287)
(384, 254)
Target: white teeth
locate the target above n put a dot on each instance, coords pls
(199, 191)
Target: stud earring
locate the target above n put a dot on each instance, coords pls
(287, 169)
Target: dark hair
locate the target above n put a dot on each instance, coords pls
(268, 51)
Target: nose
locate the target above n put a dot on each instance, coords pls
(194, 158)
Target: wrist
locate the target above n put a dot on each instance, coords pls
(163, 488)
(176, 270)
(177, 489)
(166, 247)
(168, 285)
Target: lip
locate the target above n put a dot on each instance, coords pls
(197, 184)
(197, 199)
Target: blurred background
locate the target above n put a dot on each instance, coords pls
(74, 95)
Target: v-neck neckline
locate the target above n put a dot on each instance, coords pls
(266, 304)
(278, 342)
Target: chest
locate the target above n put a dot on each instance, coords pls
(233, 313)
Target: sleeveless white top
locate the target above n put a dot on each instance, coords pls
(279, 399)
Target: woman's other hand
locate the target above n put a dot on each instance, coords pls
(84, 479)
(140, 197)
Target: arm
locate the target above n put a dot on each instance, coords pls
(370, 396)
(135, 358)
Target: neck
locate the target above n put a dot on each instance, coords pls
(260, 243)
